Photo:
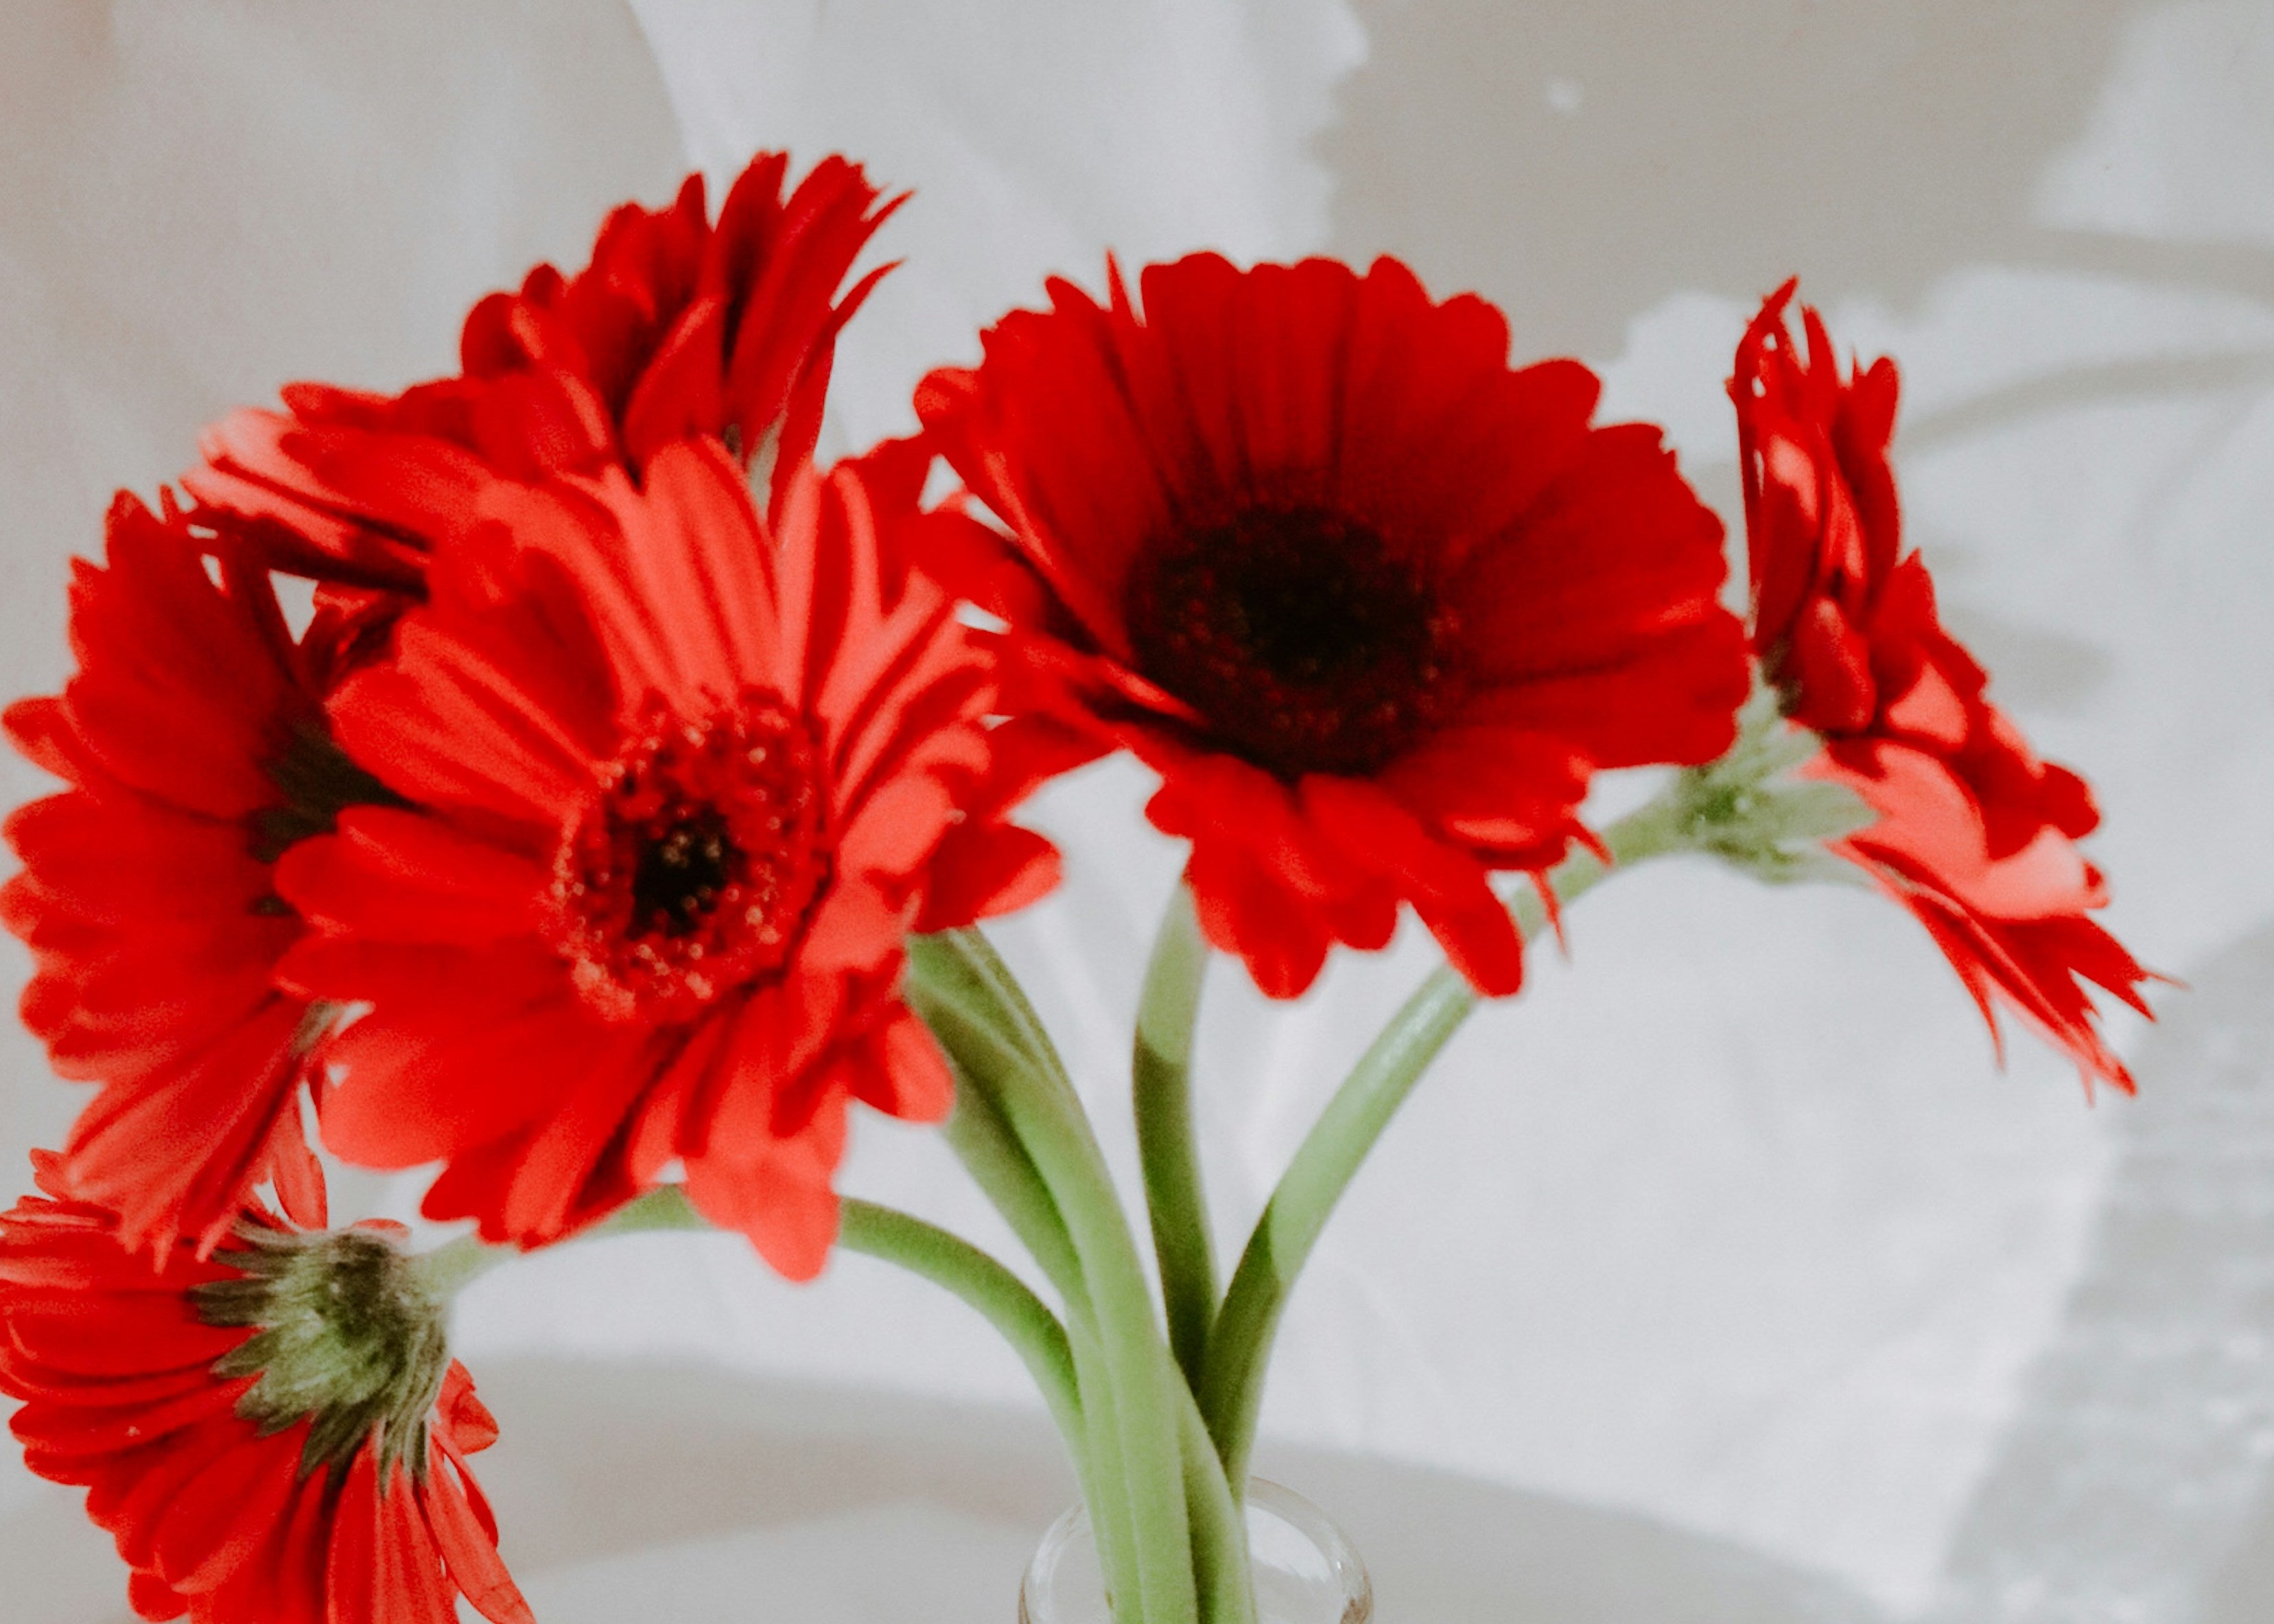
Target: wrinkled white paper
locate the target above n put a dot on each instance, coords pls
(1730, 1221)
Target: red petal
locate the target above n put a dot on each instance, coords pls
(469, 1550)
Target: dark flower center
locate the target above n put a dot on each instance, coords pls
(315, 782)
(692, 871)
(681, 873)
(1305, 643)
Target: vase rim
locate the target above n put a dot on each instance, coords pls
(1353, 1585)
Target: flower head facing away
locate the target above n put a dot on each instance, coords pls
(274, 1434)
(1373, 605)
(1974, 834)
(345, 1336)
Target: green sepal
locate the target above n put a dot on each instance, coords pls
(348, 1337)
(1747, 809)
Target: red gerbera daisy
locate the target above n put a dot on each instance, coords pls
(680, 787)
(1976, 836)
(273, 1435)
(678, 327)
(194, 739)
(1373, 605)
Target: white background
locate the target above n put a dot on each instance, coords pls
(1722, 1274)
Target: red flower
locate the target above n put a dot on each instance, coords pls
(246, 1480)
(678, 327)
(682, 787)
(194, 739)
(1976, 836)
(1372, 603)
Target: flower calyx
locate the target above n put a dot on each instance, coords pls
(348, 1335)
(1753, 810)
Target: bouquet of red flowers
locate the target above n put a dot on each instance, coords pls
(614, 805)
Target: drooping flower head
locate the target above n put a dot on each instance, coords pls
(1975, 837)
(194, 742)
(274, 1434)
(679, 325)
(676, 785)
(1373, 604)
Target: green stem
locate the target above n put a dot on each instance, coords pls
(963, 993)
(999, 1296)
(999, 1165)
(662, 1209)
(1239, 1349)
(1006, 1000)
(1145, 1382)
(981, 1139)
(1106, 1490)
(1161, 1090)
(977, 1030)
(1176, 1198)
(921, 1248)
(1220, 1555)
(454, 1264)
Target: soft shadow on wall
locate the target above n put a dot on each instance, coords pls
(1877, 149)
(1669, 145)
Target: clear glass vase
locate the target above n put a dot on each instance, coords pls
(1305, 1571)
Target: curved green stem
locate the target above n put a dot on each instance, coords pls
(1231, 1385)
(1145, 1382)
(458, 1263)
(1239, 1349)
(921, 1248)
(1006, 1000)
(966, 998)
(999, 1165)
(1002, 1297)
(1106, 1489)
(454, 1264)
(981, 1139)
(662, 1209)
(1161, 1092)
(1220, 1556)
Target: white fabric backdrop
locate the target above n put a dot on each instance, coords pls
(1730, 1221)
